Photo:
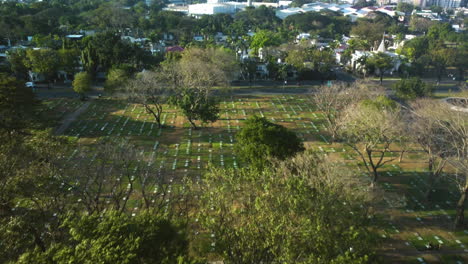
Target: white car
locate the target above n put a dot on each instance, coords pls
(30, 85)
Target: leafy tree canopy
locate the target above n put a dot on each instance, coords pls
(17, 105)
(114, 238)
(412, 88)
(260, 140)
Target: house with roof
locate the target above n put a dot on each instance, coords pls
(359, 56)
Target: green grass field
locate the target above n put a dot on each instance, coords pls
(409, 222)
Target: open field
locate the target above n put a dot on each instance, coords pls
(409, 222)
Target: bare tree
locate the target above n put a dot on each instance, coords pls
(425, 130)
(370, 130)
(151, 91)
(455, 125)
(333, 100)
(448, 139)
(198, 72)
(105, 176)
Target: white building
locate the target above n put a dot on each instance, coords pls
(346, 9)
(357, 55)
(444, 3)
(213, 7)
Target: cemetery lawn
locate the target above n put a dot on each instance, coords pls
(408, 221)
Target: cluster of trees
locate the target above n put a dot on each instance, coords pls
(188, 82)
(53, 212)
(92, 54)
(439, 49)
(310, 62)
(374, 126)
(303, 210)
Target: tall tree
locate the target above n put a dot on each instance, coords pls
(370, 31)
(82, 83)
(382, 62)
(17, 106)
(426, 131)
(197, 72)
(18, 65)
(69, 60)
(116, 80)
(370, 128)
(440, 58)
(43, 61)
(332, 100)
(150, 91)
(454, 129)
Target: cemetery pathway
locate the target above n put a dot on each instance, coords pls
(66, 122)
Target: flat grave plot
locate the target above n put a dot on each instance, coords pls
(194, 149)
(56, 109)
(410, 221)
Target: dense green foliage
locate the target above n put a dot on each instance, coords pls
(260, 139)
(197, 105)
(114, 238)
(17, 105)
(381, 62)
(300, 211)
(412, 88)
(325, 24)
(82, 83)
(116, 79)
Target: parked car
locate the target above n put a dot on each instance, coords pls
(31, 85)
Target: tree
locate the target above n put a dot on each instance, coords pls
(150, 91)
(43, 61)
(115, 238)
(69, 60)
(197, 104)
(82, 83)
(111, 15)
(370, 128)
(17, 60)
(262, 39)
(116, 79)
(424, 128)
(193, 77)
(369, 31)
(17, 105)
(382, 62)
(302, 210)
(334, 99)
(28, 174)
(260, 140)
(436, 9)
(104, 51)
(453, 134)
(412, 88)
(405, 7)
(460, 61)
(420, 24)
(415, 48)
(307, 59)
(440, 59)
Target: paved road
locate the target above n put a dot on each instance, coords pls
(246, 88)
(66, 122)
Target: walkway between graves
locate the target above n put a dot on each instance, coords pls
(66, 122)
